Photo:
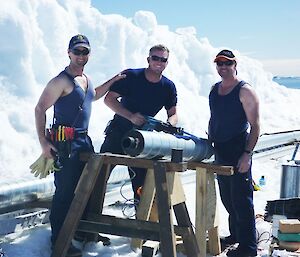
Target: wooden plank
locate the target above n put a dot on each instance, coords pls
(211, 216)
(96, 200)
(175, 188)
(167, 237)
(118, 226)
(183, 220)
(154, 212)
(118, 159)
(221, 170)
(214, 246)
(201, 210)
(122, 227)
(146, 201)
(82, 193)
(144, 163)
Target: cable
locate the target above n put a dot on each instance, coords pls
(258, 235)
(128, 203)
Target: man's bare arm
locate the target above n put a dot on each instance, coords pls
(172, 116)
(111, 100)
(51, 93)
(102, 89)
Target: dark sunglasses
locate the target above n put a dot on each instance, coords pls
(76, 51)
(157, 58)
(227, 63)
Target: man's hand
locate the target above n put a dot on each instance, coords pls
(244, 163)
(138, 119)
(47, 148)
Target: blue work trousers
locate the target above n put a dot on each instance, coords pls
(65, 181)
(236, 193)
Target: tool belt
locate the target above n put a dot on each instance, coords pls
(61, 137)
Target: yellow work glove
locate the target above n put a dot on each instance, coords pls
(42, 167)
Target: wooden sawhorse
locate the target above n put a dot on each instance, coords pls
(92, 185)
(206, 204)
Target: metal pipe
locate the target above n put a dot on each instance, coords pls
(266, 142)
(20, 192)
(26, 191)
(154, 145)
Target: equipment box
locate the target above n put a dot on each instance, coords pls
(289, 226)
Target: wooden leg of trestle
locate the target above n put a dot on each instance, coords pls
(145, 205)
(214, 246)
(167, 236)
(189, 239)
(96, 201)
(201, 210)
(82, 193)
(206, 212)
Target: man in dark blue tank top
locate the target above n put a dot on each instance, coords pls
(235, 107)
(143, 92)
(71, 93)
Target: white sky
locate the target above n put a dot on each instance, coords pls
(34, 41)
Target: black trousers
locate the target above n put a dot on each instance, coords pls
(113, 144)
(236, 193)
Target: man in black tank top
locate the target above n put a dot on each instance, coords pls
(71, 93)
(234, 107)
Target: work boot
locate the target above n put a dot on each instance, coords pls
(238, 252)
(84, 237)
(227, 241)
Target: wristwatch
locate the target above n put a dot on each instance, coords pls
(248, 152)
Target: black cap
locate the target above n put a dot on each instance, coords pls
(225, 54)
(79, 40)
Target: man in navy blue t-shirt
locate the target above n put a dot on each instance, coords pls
(143, 92)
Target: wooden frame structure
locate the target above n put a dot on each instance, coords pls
(162, 178)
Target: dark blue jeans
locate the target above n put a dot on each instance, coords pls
(65, 182)
(112, 144)
(236, 193)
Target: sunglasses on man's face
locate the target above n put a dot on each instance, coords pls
(157, 58)
(84, 51)
(227, 63)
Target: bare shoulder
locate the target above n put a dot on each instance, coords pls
(60, 80)
(247, 93)
(247, 89)
(59, 85)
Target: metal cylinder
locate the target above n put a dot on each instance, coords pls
(155, 145)
(25, 191)
(290, 181)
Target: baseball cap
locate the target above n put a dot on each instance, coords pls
(225, 54)
(79, 40)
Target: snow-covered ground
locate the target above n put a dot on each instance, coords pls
(35, 242)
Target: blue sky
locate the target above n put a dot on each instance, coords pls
(261, 29)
